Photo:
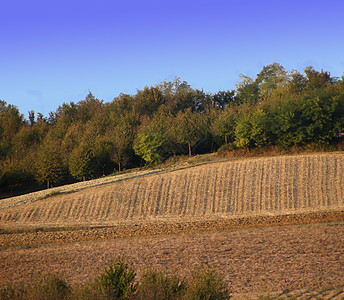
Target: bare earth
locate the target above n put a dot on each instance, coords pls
(275, 228)
(254, 261)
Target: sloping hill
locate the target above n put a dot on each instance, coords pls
(248, 187)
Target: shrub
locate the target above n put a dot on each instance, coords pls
(207, 284)
(50, 286)
(45, 287)
(157, 285)
(116, 281)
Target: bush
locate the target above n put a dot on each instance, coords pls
(50, 286)
(157, 285)
(207, 284)
(116, 281)
(45, 287)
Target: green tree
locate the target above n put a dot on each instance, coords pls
(50, 168)
(178, 95)
(247, 91)
(223, 125)
(296, 84)
(317, 80)
(189, 129)
(120, 137)
(148, 100)
(149, 146)
(271, 78)
(253, 129)
(223, 99)
(82, 163)
(10, 123)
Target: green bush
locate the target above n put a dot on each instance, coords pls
(51, 286)
(45, 287)
(157, 285)
(207, 284)
(116, 281)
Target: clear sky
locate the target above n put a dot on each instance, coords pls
(55, 51)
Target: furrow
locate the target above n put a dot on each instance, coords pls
(135, 198)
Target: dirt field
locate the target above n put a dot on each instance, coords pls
(254, 261)
(248, 187)
(270, 225)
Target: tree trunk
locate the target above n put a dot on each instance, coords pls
(226, 140)
(189, 149)
(48, 184)
(119, 166)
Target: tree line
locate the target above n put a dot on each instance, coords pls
(89, 139)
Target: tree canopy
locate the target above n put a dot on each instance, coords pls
(90, 138)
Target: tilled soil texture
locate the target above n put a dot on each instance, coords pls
(40, 236)
(248, 187)
(253, 261)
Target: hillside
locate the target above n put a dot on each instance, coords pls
(236, 215)
(250, 187)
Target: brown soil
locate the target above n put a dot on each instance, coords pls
(253, 261)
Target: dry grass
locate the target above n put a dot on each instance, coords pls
(250, 187)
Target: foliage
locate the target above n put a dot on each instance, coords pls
(50, 168)
(117, 280)
(223, 126)
(207, 284)
(158, 285)
(189, 129)
(90, 138)
(252, 129)
(82, 163)
(149, 146)
(49, 286)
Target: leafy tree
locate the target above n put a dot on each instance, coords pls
(88, 108)
(50, 168)
(148, 101)
(10, 123)
(323, 117)
(317, 80)
(296, 84)
(271, 78)
(189, 129)
(149, 146)
(178, 95)
(247, 91)
(288, 122)
(223, 125)
(253, 129)
(82, 163)
(223, 99)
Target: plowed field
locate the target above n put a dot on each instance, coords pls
(251, 187)
(247, 217)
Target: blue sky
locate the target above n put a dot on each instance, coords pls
(55, 51)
